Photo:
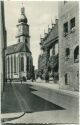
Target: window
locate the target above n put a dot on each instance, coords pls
(67, 79)
(27, 63)
(67, 54)
(19, 40)
(51, 51)
(26, 40)
(78, 74)
(56, 48)
(22, 64)
(8, 66)
(72, 23)
(14, 63)
(11, 64)
(76, 54)
(65, 28)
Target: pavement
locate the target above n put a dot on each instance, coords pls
(37, 102)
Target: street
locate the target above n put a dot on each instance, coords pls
(26, 103)
(18, 98)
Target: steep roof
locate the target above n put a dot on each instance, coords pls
(19, 47)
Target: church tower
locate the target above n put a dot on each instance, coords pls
(23, 29)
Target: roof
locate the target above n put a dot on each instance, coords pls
(19, 47)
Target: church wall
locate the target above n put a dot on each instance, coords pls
(19, 74)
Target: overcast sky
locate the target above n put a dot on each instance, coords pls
(39, 15)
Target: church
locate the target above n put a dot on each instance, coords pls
(19, 61)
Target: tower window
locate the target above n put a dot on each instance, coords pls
(76, 54)
(67, 53)
(65, 27)
(72, 23)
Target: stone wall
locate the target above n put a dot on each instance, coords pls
(67, 11)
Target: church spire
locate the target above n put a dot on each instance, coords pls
(22, 9)
(22, 16)
(23, 28)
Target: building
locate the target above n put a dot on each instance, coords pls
(19, 60)
(48, 59)
(2, 45)
(69, 45)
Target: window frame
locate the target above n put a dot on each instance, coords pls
(76, 60)
(72, 24)
(65, 28)
(22, 64)
(67, 53)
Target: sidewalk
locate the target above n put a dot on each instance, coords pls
(53, 86)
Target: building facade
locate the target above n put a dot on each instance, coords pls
(48, 59)
(3, 45)
(69, 45)
(19, 62)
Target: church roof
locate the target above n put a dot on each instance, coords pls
(19, 47)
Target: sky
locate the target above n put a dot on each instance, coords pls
(40, 14)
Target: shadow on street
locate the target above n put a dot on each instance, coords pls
(18, 98)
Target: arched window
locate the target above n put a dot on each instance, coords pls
(8, 66)
(15, 64)
(11, 64)
(76, 54)
(22, 63)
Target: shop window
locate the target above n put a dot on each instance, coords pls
(76, 54)
(65, 28)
